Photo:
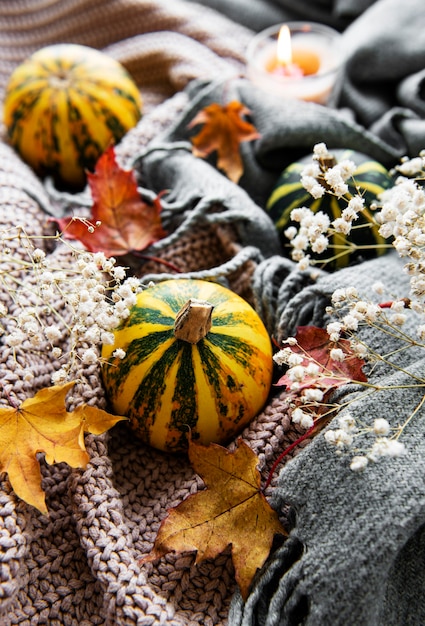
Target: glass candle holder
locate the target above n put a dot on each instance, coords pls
(316, 62)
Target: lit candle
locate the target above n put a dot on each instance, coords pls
(296, 60)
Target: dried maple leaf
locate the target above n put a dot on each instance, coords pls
(126, 222)
(42, 424)
(230, 511)
(315, 346)
(223, 131)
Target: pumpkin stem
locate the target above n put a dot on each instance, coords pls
(193, 321)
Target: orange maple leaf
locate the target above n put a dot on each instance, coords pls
(230, 511)
(127, 223)
(223, 131)
(42, 424)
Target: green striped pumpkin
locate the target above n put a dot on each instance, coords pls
(188, 370)
(371, 178)
(64, 106)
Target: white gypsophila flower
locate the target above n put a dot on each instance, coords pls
(312, 395)
(349, 215)
(341, 226)
(107, 338)
(320, 151)
(59, 376)
(420, 331)
(384, 447)
(300, 213)
(334, 330)
(119, 353)
(304, 263)
(38, 255)
(56, 352)
(378, 287)
(312, 369)
(358, 463)
(399, 319)
(296, 373)
(347, 422)
(347, 168)
(351, 292)
(311, 169)
(398, 306)
(316, 190)
(305, 420)
(92, 334)
(15, 339)
(53, 333)
(281, 357)
(320, 244)
(350, 322)
(89, 357)
(300, 242)
(359, 349)
(410, 167)
(297, 255)
(335, 181)
(294, 359)
(290, 232)
(337, 354)
(356, 204)
(338, 295)
(381, 426)
(339, 438)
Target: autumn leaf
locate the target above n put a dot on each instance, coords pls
(120, 222)
(224, 129)
(230, 511)
(42, 424)
(315, 346)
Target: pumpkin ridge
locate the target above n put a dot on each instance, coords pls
(226, 392)
(184, 414)
(149, 393)
(148, 316)
(138, 351)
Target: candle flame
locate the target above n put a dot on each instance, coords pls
(284, 48)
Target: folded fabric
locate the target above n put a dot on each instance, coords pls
(383, 47)
(353, 533)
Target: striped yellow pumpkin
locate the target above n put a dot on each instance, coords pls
(369, 179)
(64, 106)
(198, 360)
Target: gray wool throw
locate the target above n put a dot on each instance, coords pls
(356, 552)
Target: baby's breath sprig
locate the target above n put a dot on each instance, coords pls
(329, 240)
(64, 304)
(399, 214)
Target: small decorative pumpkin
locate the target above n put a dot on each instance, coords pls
(369, 179)
(198, 361)
(65, 105)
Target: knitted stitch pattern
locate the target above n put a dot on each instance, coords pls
(80, 564)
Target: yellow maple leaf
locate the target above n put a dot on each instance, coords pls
(42, 424)
(224, 129)
(231, 511)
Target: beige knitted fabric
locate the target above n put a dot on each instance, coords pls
(79, 566)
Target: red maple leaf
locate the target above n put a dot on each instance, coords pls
(121, 221)
(315, 346)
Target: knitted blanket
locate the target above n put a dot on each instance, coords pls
(80, 564)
